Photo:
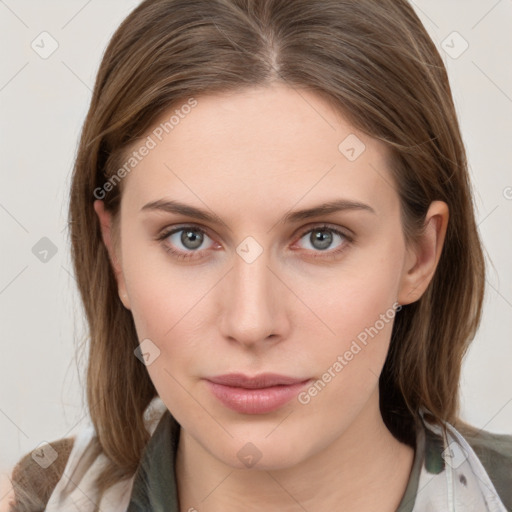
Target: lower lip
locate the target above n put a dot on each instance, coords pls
(255, 401)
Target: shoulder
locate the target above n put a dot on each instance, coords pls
(70, 479)
(495, 454)
(36, 474)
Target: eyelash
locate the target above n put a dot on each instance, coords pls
(192, 254)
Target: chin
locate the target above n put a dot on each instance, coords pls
(270, 458)
(261, 452)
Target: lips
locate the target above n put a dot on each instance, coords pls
(255, 395)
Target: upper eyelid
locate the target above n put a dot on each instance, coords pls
(173, 229)
(314, 225)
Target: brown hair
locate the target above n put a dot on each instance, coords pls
(375, 62)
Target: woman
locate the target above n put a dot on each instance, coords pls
(274, 240)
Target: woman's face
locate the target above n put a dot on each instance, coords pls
(260, 282)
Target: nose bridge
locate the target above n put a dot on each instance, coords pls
(251, 310)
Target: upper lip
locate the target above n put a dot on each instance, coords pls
(264, 380)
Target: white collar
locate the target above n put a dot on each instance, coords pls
(462, 484)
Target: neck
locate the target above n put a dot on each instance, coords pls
(365, 469)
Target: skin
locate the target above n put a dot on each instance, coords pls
(251, 157)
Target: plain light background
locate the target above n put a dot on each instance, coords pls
(43, 103)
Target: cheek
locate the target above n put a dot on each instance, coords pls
(359, 306)
(165, 307)
(347, 364)
(160, 291)
(168, 303)
(354, 296)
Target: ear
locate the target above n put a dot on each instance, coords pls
(107, 233)
(422, 259)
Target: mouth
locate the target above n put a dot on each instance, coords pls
(255, 395)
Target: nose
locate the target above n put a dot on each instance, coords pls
(252, 304)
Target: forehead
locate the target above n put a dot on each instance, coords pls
(271, 146)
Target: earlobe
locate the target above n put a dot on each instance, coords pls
(105, 220)
(422, 259)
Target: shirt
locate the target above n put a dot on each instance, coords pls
(447, 474)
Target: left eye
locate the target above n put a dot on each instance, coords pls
(321, 238)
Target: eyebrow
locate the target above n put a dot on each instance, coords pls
(172, 206)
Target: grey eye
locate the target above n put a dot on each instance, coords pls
(321, 239)
(190, 239)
